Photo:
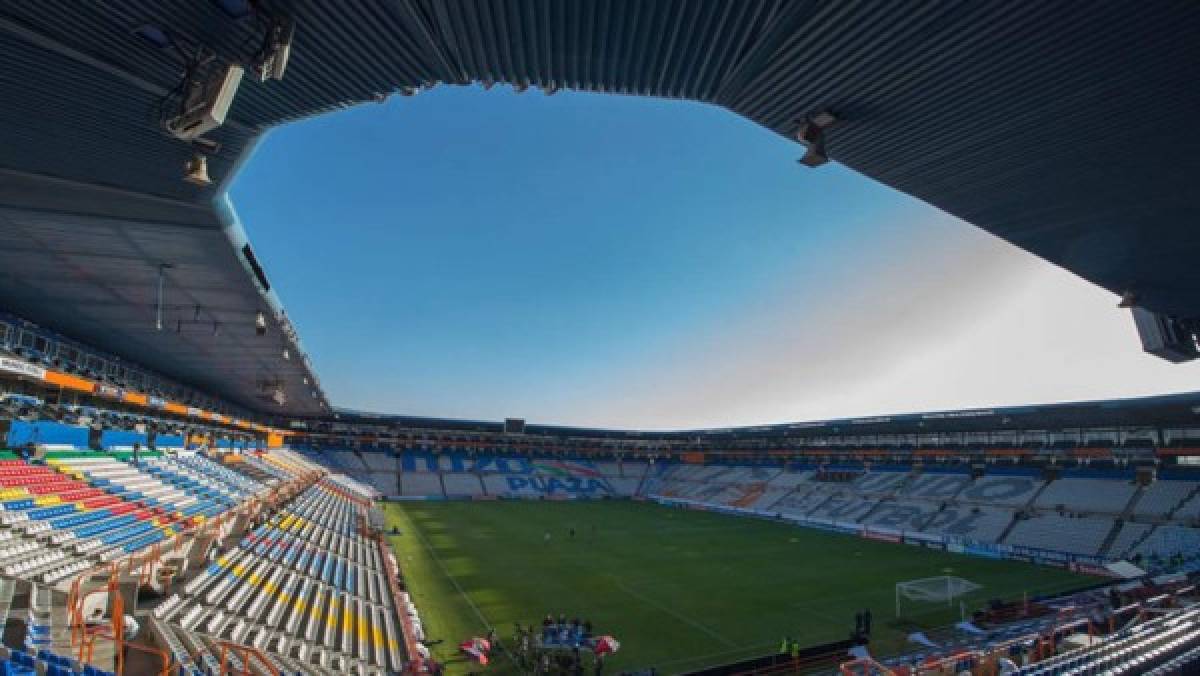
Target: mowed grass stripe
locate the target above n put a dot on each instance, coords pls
(680, 589)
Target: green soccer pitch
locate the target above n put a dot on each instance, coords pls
(679, 589)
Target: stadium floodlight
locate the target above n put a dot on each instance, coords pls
(811, 134)
(205, 103)
(195, 171)
(286, 355)
(260, 324)
(934, 590)
(276, 50)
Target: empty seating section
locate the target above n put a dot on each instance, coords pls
(1189, 510)
(462, 484)
(634, 469)
(905, 515)
(55, 521)
(788, 479)
(950, 504)
(1076, 535)
(1170, 540)
(346, 461)
(979, 523)
(1168, 644)
(1108, 496)
(844, 506)
(1130, 534)
(387, 483)
(356, 488)
(1013, 491)
(609, 469)
(380, 462)
(936, 486)
(804, 500)
(22, 663)
(624, 486)
(880, 483)
(133, 482)
(305, 586)
(1009, 505)
(420, 483)
(1162, 497)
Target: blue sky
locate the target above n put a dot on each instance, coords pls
(605, 260)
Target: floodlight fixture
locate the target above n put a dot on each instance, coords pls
(811, 133)
(205, 102)
(195, 170)
(272, 59)
(260, 324)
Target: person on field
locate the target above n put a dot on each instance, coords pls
(867, 622)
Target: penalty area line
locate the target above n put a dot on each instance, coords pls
(666, 609)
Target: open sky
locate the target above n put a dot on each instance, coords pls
(618, 261)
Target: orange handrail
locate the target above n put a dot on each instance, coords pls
(245, 653)
(142, 562)
(865, 666)
(118, 639)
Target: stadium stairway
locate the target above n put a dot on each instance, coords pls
(1033, 499)
(305, 588)
(642, 488)
(1194, 495)
(1106, 545)
(1012, 523)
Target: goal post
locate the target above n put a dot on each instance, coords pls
(933, 590)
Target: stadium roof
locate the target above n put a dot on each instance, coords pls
(1171, 410)
(1066, 128)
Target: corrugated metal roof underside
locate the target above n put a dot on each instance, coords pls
(1068, 128)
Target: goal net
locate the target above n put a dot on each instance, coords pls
(944, 588)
